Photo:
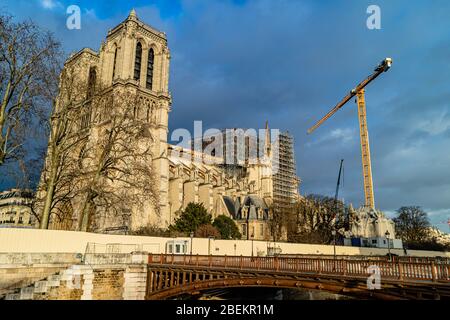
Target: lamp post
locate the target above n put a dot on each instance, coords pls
(192, 237)
(209, 244)
(252, 236)
(387, 234)
(333, 232)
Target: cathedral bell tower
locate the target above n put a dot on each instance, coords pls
(136, 55)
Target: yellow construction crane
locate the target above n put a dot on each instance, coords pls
(358, 91)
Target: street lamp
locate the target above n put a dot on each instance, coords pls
(333, 232)
(209, 244)
(252, 236)
(387, 234)
(192, 236)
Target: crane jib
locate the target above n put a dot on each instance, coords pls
(347, 98)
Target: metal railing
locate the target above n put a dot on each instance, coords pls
(115, 253)
(401, 270)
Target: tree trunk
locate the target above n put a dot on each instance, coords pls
(48, 199)
(84, 217)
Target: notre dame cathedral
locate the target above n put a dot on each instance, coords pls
(136, 55)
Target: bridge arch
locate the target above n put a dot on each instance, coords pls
(356, 290)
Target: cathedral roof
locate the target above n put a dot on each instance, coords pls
(133, 17)
(252, 212)
(252, 203)
(132, 14)
(88, 51)
(255, 201)
(231, 206)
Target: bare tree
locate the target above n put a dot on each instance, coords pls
(411, 224)
(279, 217)
(314, 218)
(99, 162)
(28, 56)
(57, 187)
(117, 175)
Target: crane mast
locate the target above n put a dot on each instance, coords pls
(337, 188)
(359, 91)
(365, 151)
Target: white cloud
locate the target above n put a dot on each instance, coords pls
(345, 136)
(50, 4)
(391, 214)
(90, 13)
(437, 124)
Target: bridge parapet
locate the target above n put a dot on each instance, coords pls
(404, 270)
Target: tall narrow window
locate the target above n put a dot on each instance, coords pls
(137, 61)
(91, 82)
(114, 64)
(151, 58)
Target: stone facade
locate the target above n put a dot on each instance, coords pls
(85, 282)
(369, 223)
(244, 195)
(136, 56)
(15, 209)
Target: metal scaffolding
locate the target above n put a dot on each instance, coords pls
(285, 180)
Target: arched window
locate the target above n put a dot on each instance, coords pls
(114, 64)
(137, 61)
(151, 58)
(91, 82)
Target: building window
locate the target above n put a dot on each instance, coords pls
(91, 82)
(261, 232)
(85, 117)
(114, 64)
(244, 229)
(151, 58)
(137, 61)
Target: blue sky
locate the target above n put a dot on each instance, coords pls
(238, 63)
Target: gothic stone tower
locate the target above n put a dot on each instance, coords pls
(136, 54)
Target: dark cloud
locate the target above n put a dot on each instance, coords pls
(238, 63)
